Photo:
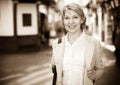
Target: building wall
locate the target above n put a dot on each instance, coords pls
(15, 31)
(31, 9)
(6, 18)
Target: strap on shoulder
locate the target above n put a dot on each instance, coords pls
(59, 40)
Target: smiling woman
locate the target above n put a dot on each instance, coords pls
(74, 18)
(72, 22)
(76, 56)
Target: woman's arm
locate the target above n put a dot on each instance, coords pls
(99, 67)
(97, 71)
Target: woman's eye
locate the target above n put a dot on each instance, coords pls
(66, 17)
(75, 17)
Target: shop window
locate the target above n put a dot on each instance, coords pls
(27, 20)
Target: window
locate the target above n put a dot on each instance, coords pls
(27, 20)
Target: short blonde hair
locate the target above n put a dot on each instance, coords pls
(76, 8)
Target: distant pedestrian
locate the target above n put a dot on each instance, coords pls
(76, 56)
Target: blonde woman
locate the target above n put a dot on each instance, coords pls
(76, 56)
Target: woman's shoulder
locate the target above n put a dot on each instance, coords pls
(54, 42)
(91, 39)
(58, 41)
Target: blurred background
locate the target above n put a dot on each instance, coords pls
(36, 22)
(28, 27)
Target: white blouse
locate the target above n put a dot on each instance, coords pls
(73, 62)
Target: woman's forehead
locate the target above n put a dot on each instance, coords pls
(70, 12)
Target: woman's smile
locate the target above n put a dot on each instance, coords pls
(71, 26)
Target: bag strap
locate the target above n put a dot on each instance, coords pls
(54, 75)
(59, 40)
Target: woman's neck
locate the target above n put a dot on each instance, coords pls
(72, 37)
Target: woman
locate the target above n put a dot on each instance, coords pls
(76, 56)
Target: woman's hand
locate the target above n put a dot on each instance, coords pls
(91, 74)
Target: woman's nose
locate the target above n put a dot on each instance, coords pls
(71, 20)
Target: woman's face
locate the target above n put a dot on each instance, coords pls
(71, 21)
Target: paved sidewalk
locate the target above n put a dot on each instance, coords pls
(35, 60)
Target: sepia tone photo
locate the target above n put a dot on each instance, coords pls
(59, 42)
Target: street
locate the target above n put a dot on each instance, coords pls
(26, 68)
(32, 68)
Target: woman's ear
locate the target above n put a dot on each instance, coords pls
(81, 21)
